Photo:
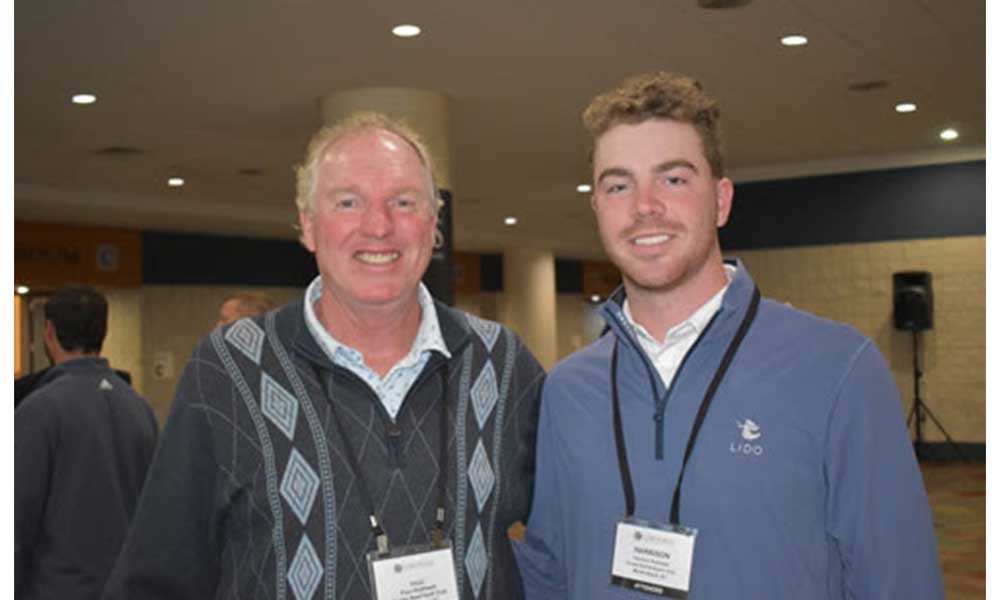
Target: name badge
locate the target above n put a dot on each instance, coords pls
(653, 558)
(414, 573)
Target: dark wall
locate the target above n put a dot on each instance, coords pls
(897, 204)
(181, 258)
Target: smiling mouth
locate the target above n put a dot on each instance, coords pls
(376, 258)
(651, 240)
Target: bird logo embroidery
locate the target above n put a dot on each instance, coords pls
(749, 430)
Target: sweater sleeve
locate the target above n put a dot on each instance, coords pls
(521, 428)
(32, 471)
(172, 549)
(878, 511)
(540, 556)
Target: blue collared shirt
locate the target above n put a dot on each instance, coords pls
(391, 389)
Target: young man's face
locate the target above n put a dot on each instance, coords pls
(658, 206)
(372, 227)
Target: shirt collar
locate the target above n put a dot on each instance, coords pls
(696, 322)
(428, 336)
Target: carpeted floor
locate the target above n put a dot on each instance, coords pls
(958, 500)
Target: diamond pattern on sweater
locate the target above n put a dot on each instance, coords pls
(278, 405)
(299, 485)
(484, 394)
(306, 571)
(488, 331)
(247, 337)
(476, 561)
(481, 475)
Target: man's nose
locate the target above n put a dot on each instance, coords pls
(377, 220)
(647, 201)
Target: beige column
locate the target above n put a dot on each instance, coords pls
(529, 300)
(426, 111)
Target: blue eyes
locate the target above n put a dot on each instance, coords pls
(352, 203)
(619, 188)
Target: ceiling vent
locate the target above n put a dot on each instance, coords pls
(722, 4)
(251, 172)
(868, 86)
(119, 151)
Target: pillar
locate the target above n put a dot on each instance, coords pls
(529, 300)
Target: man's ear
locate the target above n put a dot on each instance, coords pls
(49, 337)
(723, 200)
(306, 231)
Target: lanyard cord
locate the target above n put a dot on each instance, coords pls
(381, 538)
(623, 467)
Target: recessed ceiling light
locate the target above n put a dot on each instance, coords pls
(595, 298)
(175, 182)
(870, 85)
(949, 134)
(583, 188)
(794, 40)
(906, 107)
(406, 30)
(22, 289)
(84, 99)
(510, 221)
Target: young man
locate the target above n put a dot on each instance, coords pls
(713, 443)
(83, 440)
(309, 447)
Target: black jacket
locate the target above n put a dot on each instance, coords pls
(82, 443)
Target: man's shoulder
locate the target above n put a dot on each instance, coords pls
(578, 372)
(457, 325)
(248, 334)
(791, 325)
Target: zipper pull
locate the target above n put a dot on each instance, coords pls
(394, 438)
(658, 426)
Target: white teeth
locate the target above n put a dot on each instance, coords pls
(649, 240)
(377, 258)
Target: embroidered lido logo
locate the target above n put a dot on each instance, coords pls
(750, 432)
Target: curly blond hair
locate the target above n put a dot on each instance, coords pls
(660, 95)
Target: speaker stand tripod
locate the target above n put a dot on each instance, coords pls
(920, 411)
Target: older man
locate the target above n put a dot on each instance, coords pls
(735, 447)
(363, 442)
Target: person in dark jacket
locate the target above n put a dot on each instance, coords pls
(83, 440)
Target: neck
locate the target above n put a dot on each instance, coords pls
(660, 309)
(383, 334)
(60, 357)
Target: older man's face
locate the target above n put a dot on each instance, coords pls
(372, 227)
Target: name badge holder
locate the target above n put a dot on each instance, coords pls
(414, 572)
(421, 572)
(651, 557)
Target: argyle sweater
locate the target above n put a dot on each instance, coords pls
(251, 495)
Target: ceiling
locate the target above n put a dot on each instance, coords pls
(210, 90)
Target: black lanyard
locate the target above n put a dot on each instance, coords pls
(727, 359)
(381, 538)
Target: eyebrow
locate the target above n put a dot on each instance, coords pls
(660, 168)
(673, 164)
(614, 172)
